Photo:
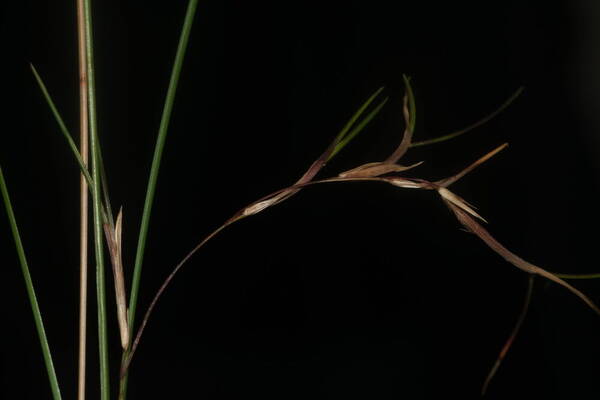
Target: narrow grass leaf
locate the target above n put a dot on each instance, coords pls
(107, 213)
(472, 126)
(156, 159)
(63, 128)
(158, 150)
(35, 308)
(358, 128)
(350, 123)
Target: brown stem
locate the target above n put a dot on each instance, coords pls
(474, 227)
(127, 360)
(406, 138)
(511, 338)
(449, 181)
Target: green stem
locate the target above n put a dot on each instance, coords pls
(35, 308)
(346, 129)
(107, 210)
(158, 150)
(356, 130)
(63, 128)
(472, 126)
(97, 208)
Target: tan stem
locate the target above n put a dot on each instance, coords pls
(83, 198)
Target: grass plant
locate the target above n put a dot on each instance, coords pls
(107, 231)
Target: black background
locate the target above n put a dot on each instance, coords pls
(345, 291)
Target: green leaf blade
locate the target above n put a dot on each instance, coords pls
(477, 124)
(35, 308)
(63, 127)
(358, 128)
(357, 114)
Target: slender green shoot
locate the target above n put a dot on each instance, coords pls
(35, 308)
(474, 125)
(357, 114)
(341, 138)
(67, 135)
(158, 150)
(151, 188)
(358, 128)
(97, 208)
(63, 128)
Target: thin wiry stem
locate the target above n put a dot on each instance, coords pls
(457, 205)
(348, 132)
(127, 360)
(259, 206)
(97, 207)
(578, 276)
(477, 124)
(83, 201)
(254, 208)
(511, 338)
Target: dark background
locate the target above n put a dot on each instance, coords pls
(345, 291)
